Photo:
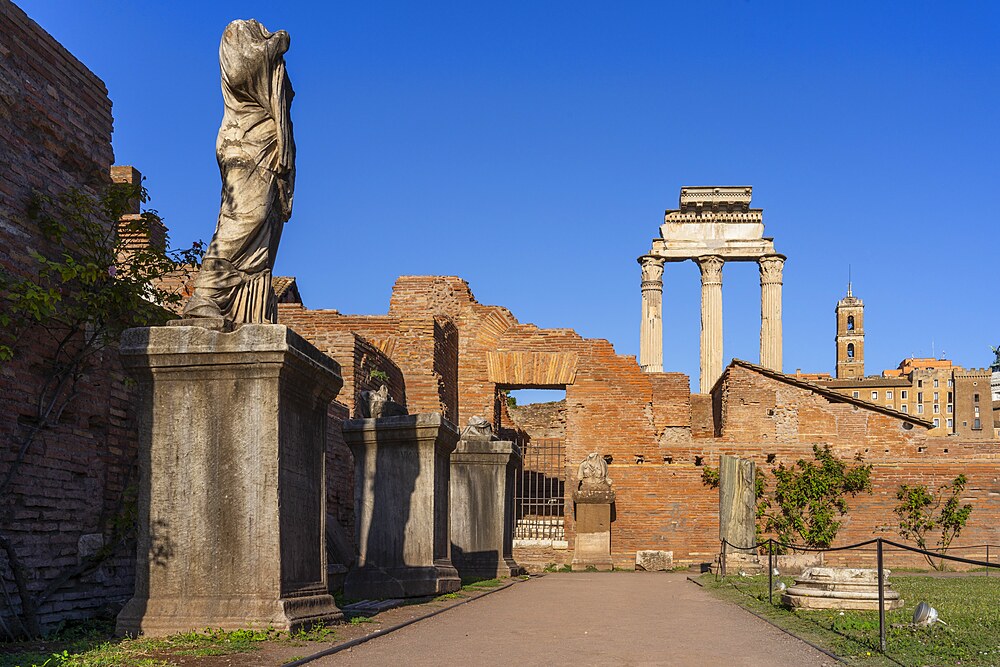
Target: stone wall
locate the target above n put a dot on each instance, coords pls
(55, 134)
(540, 420)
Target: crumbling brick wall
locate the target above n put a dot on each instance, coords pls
(55, 134)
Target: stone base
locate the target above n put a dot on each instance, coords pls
(654, 561)
(593, 537)
(840, 588)
(401, 582)
(167, 616)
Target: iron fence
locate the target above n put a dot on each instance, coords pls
(539, 490)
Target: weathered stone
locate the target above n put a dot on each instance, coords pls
(482, 512)
(256, 154)
(654, 561)
(232, 439)
(402, 472)
(594, 497)
(840, 588)
(477, 428)
(651, 333)
(378, 404)
(737, 503)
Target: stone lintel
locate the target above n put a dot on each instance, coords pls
(733, 250)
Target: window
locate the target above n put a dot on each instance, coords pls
(920, 383)
(920, 397)
(951, 423)
(975, 398)
(850, 350)
(874, 395)
(856, 395)
(976, 424)
(935, 383)
(903, 394)
(904, 408)
(977, 411)
(949, 397)
(888, 394)
(937, 409)
(951, 408)
(920, 408)
(937, 422)
(936, 397)
(949, 382)
(850, 322)
(889, 405)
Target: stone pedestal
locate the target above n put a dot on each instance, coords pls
(232, 437)
(402, 472)
(593, 529)
(482, 500)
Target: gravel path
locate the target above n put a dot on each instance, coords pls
(589, 619)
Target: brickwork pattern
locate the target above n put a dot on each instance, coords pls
(55, 134)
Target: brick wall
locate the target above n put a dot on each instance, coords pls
(55, 134)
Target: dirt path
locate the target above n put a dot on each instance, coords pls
(589, 619)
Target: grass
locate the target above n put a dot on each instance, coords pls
(967, 604)
(94, 648)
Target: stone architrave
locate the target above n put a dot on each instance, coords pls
(232, 441)
(593, 498)
(770, 311)
(402, 473)
(482, 499)
(651, 334)
(711, 321)
(737, 503)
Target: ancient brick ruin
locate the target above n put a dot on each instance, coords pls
(437, 350)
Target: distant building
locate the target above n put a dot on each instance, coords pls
(995, 377)
(956, 400)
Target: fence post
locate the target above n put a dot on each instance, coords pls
(722, 560)
(770, 572)
(987, 559)
(881, 597)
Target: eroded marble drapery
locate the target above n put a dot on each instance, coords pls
(256, 154)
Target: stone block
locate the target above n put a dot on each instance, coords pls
(402, 473)
(232, 437)
(840, 588)
(654, 561)
(482, 517)
(593, 534)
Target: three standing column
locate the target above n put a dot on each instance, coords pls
(711, 320)
(651, 335)
(770, 311)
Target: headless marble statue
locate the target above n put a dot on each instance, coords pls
(256, 156)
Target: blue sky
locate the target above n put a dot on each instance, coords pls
(532, 147)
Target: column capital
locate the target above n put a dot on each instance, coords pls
(771, 268)
(652, 272)
(711, 269)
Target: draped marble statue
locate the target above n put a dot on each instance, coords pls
(256, 156)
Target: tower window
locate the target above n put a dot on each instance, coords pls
(850, 350)
(850, 322)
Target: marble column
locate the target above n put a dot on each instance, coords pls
(711, 320)
(770, 311)
(651, 336)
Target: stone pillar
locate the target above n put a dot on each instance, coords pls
(770, 311)
(711, 320)
(737, 503)
(593, 530)
(651, 335)
(482, 508)
(402, 475)
(232, 502)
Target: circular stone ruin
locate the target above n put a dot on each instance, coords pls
(839, 588)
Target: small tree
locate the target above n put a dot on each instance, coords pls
(72, 304)
(809, 497)
(921, 515)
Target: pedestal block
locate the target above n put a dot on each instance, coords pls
(232, 436)
(482, 502)
(593, 529)
(402, 472)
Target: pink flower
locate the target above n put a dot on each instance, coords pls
(112, 271)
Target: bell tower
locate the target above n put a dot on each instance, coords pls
(850, 337)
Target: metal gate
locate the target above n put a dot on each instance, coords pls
(539, 492)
